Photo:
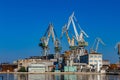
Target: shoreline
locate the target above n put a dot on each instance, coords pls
(76, 73)
(50, 73)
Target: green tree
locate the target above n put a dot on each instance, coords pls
(22, 69)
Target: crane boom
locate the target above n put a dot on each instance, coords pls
(75, 30)
(78, 37)
(97, 41)
(70, 41)
(66, 27)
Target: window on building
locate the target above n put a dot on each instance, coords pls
(100, 65)
(91, 56)
(91, 60)
(99, 56)
(95, 64)
(95, 56)
(95, 60)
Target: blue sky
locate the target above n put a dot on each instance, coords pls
(24, 22)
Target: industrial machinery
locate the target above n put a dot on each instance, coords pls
(77, 49)
(45, 40)
(118, 46)
(78, 37)
(71, 41)
(96, 44)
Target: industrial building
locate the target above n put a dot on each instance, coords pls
(106, 62)
(6, 67)
(36, 68)
(27, 63)
(93, 59)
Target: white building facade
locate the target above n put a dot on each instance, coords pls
(92, 59)
(28, 62)
(40, 68)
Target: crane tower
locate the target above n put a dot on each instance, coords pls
(45, 40)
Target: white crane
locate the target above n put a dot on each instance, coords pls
(66, 27)
(97, 41)
(45, 40)
(82, 34)
(78, 37)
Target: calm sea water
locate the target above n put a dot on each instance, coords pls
(57, 77)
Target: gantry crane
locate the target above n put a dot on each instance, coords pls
(96, 44)
(118, 46)
(45, 40)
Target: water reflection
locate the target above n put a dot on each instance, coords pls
(57, 77)
(70, 77)
(38, 77)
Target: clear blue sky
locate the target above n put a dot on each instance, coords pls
(23, 23)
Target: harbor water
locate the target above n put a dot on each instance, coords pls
(58, 77)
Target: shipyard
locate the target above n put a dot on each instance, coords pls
(59, 40)
(76, 59)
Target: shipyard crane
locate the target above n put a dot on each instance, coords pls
(69, 39)
(118, 46)
(96, 42)
(79, 37)
(45, 40)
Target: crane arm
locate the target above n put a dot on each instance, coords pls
(48, 35)
(66, 27)
(68, 38)
(99, 40)
(53, 35)
(96, 44)
(70, 41)
(75, 30)
(117, 45)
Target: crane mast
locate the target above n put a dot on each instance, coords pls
(45, 40)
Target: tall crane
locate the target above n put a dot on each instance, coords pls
(118, 46)
(96, 42)
(45, 40)
(79, 37)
